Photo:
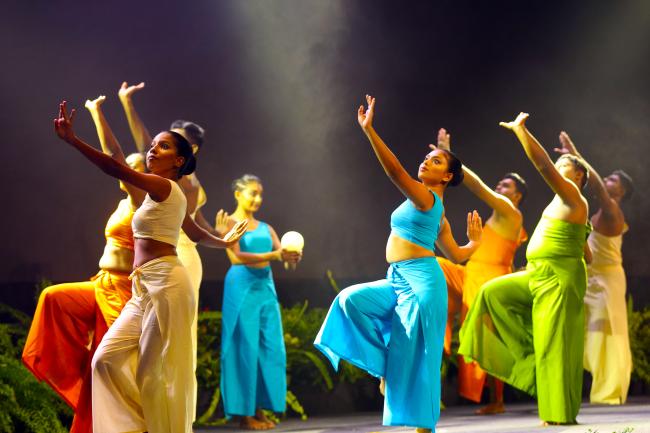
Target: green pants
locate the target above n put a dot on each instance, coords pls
(527, 329)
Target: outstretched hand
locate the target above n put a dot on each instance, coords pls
(444, 140)
(63, 123)
(95, 103)
(221, 222)
(567, 145)
(232, 237)
(365, 116)
(127, 91)
(474, 227)
(519, 122)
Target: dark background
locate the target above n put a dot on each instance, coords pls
(277, 83)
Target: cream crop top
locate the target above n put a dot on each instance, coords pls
(161, 221)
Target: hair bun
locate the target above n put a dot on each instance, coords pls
(190, 166)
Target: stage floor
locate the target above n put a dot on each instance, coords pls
(633, 417)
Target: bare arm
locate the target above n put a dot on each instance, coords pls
(205, 238)
(448, 245)
(157, 187)
(500, 204)
(412, 189)
(567, 190)
(139, 131)
(238, 257)
(200, 220)
(110, 145)
(596, 183)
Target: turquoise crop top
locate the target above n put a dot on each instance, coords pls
(418, 226)
(258, 240)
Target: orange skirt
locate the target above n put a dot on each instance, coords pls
(463, 285)
(69, 322)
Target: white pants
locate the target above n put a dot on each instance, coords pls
(142, 372)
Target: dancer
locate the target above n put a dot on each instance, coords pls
(607, 345)
(394, 328)
(253, 358)
(194, 192)
(527, 328)
(142, 377)
(502, 234)
(71, 318)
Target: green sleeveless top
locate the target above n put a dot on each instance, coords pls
(556, 238)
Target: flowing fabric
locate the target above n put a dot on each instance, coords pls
(142, 371)
(492, 259)
(253, 356)
(191, 260)
(607, 345)
(527, 328)
(70, 321)
(394, 328)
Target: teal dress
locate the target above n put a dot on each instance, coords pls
(394, 328)
(253, 357)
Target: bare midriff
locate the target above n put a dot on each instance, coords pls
(116, 259)
(399, 249)
(150, 249)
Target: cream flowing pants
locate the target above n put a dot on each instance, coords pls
(142, 372)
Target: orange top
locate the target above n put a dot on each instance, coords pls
(496, 250)
(118, 230)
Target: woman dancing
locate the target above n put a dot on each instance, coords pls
(394, 328)
(527, 328)
(253, 358)
(71, 318)
(607, 345)
(143, 377)
(194, 192)
(502, 234)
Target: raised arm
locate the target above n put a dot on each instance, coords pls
(500, 204)
(139, 132)
(567, 190)
(596, 183)
(447, 244)
(157, 187)
(411, 188)
(109, 143)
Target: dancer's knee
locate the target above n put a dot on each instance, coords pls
(52, 295)
(101, 363)
(349, 298)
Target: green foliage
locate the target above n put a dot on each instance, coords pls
(26, 404)
(639, 329)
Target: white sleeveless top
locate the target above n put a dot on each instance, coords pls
(161, 221)
(606, 250)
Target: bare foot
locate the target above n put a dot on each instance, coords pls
(382, 386)
(552, 423)
(94, 104)
(250, 423)
(260, 416)
(491, 409)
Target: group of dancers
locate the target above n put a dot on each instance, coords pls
(526, 328)
(120, 349)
